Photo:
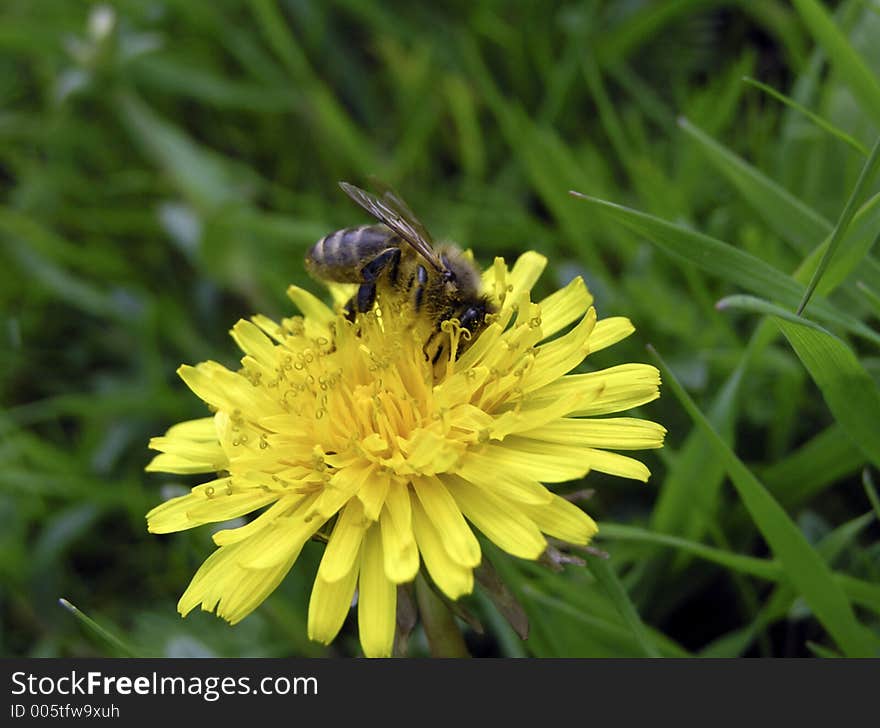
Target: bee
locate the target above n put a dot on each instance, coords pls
(399, 256)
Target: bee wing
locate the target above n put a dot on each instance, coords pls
(395, 213)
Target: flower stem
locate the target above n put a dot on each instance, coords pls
(444, 637)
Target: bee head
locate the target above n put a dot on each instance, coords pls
(473, 315)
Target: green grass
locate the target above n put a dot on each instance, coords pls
(165, 178)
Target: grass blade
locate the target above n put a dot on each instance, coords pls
(822, 123)
(871, 296)
(855, 245)
(860, 592)
(103, 633)
(727, 262)
(815, 466)
(804, 568)
(851, 66)
(820, 651)
(604, 574)
(871, 491)
(786, 215)
(865, 177)
(751, 565)
(849, 391)
(206, 178)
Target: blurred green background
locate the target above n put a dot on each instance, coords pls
(165, 164)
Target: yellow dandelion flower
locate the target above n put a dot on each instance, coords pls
(347, 429)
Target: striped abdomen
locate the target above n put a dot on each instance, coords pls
(341, 255)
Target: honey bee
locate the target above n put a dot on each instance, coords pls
(398, 257)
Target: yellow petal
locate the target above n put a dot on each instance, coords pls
(345, 542)
(342, 486)
(561, 355)
(251, 590)
(484, 344)
(281, 507)
(399, 550)
(525, 273)
(617, 433)
(531, 413)
(284, 538)
(202, 429)
(547, 464)
(372, 494)
(609, 331)
(441, 508)
(377, 600)
(502, 522)
(214, 571)
(564, 306)
(255, 343)
(329, 605)
(505, 482)
(198, 452)
(226, 390)
(269, 327)
(341, 293)
(398, 504)
(234, 592)
(495, 279)
(198, 507)
(311, 306)
(453, 579)
(167, 463)
(615, 389)
(562, 519)
(459, 387)
(428, 452)
(620, 465)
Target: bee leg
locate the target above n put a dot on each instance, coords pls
(388, 257)
(427, 347)
(422, 278)
(350, 309)
(363, 300)
(470, 318)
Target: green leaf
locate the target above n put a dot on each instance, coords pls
(803, 566)
(851, 66)
(849, 391)
(689, 494)
(178, 77)
(865, 177)
(203, 176)
(815, 118)
(600, 626)
(871, 297)
(332, 123)
(844, 536)
(852, 251)
(861, 592)
(821, 651)
(871, 491)
(750, 565)
(103, 633)
(605, 575)
(728, 263)
(816, 465)
(786, 215)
